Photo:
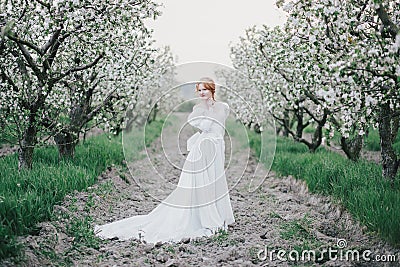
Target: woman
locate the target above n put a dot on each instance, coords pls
(200, 204)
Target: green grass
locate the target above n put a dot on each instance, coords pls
(358, 186)
(7, 134)
(28, 196)
(372, 142)
(186, 106)
(82, 231)
(247, 138)
(297, 232)
(137, 139)
(296, 229)
(220, 236)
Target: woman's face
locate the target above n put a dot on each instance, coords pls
(203, 92)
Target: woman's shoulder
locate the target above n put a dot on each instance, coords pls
(223, 104)
(220, 103)
(198, 105)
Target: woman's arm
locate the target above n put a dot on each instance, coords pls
(195, 116)
(199, 119)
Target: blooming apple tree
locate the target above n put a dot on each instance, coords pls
(362, 40)
(153, 94)
(335, 63)
(65, 63)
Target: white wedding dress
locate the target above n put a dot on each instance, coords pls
(200, 204)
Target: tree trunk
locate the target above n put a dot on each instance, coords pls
(316, 140)
(286, 123)
(25, 155)
(388, 128)
(352, 147)
(153, 114)
(300, 124)
(317, 136)
(257, 128)
(27, 145)
(278, 130)
(66, 143)
(68, 138)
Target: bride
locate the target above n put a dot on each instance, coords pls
(200, 205)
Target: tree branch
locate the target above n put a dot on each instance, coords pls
(54, 48)
(383, 15)
(100, 106)
(31, 63)
(376, 73)
(23, 42)
(51, 41)
(79, 68)
(43, 4)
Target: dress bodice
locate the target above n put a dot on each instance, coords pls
(210, 120)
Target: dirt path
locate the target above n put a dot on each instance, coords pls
(281, 214)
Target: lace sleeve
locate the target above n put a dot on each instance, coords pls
(195, 117)
(199, 120)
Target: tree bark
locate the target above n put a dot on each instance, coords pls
(66, 144)
(278, 130)
(27, 145)
(352, 147)
(68, 138)
(300, 125)
(388, 128)
(257, 128)
(286, 121)
(317, 137)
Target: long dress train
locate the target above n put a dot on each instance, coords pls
(200, 204)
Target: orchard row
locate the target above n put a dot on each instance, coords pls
(334, 65)
(67, 66)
